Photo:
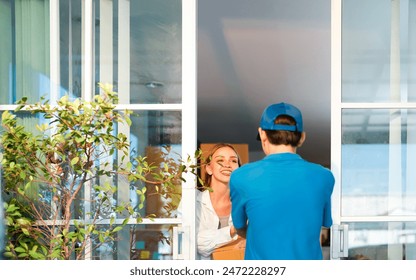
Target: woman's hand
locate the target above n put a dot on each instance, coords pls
(233, 231)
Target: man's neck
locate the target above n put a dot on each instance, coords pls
(279, 149)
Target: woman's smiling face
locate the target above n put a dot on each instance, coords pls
(223, 162)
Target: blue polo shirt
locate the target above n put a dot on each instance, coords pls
(284, 200)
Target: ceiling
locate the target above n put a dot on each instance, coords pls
(254, 53)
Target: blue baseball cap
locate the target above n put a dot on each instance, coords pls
(273, 111)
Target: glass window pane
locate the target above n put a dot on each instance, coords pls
(378, 162)
(6, 54)
(70, 48)
(378, 51)
(154, 46)
(155, 135)
(382, 241)
(137, 242)
(151, 132)
(24, 56)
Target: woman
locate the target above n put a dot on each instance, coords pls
(213, 205)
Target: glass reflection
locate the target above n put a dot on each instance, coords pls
(156, 51)
(6, 55)
(378, 156)
(378, 51)
(155, 135)
(70, 47)
(382, 241)
(24, 56)
(141, 242)
(147, 48)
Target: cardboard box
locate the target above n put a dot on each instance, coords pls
(231, 251)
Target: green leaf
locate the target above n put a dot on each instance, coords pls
(8, 255)
(75, 160)
(128, 120)
(117, 229)
(23, 255)
(20, 249)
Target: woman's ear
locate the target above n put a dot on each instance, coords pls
(208, 169)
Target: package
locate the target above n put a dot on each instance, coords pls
(231, 251)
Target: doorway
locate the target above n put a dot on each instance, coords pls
(373, 123)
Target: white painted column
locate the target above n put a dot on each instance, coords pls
(106, 42)
(87, 50)
(123, 78)
(189, 141)
(395, 147)
(54, 50)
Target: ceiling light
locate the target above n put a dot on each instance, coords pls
(153, 84)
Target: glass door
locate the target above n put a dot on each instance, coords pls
(147, 51)
(373, 129)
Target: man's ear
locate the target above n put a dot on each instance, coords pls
(302, 139)
(262, 134)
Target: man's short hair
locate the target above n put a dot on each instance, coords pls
(284, 137)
